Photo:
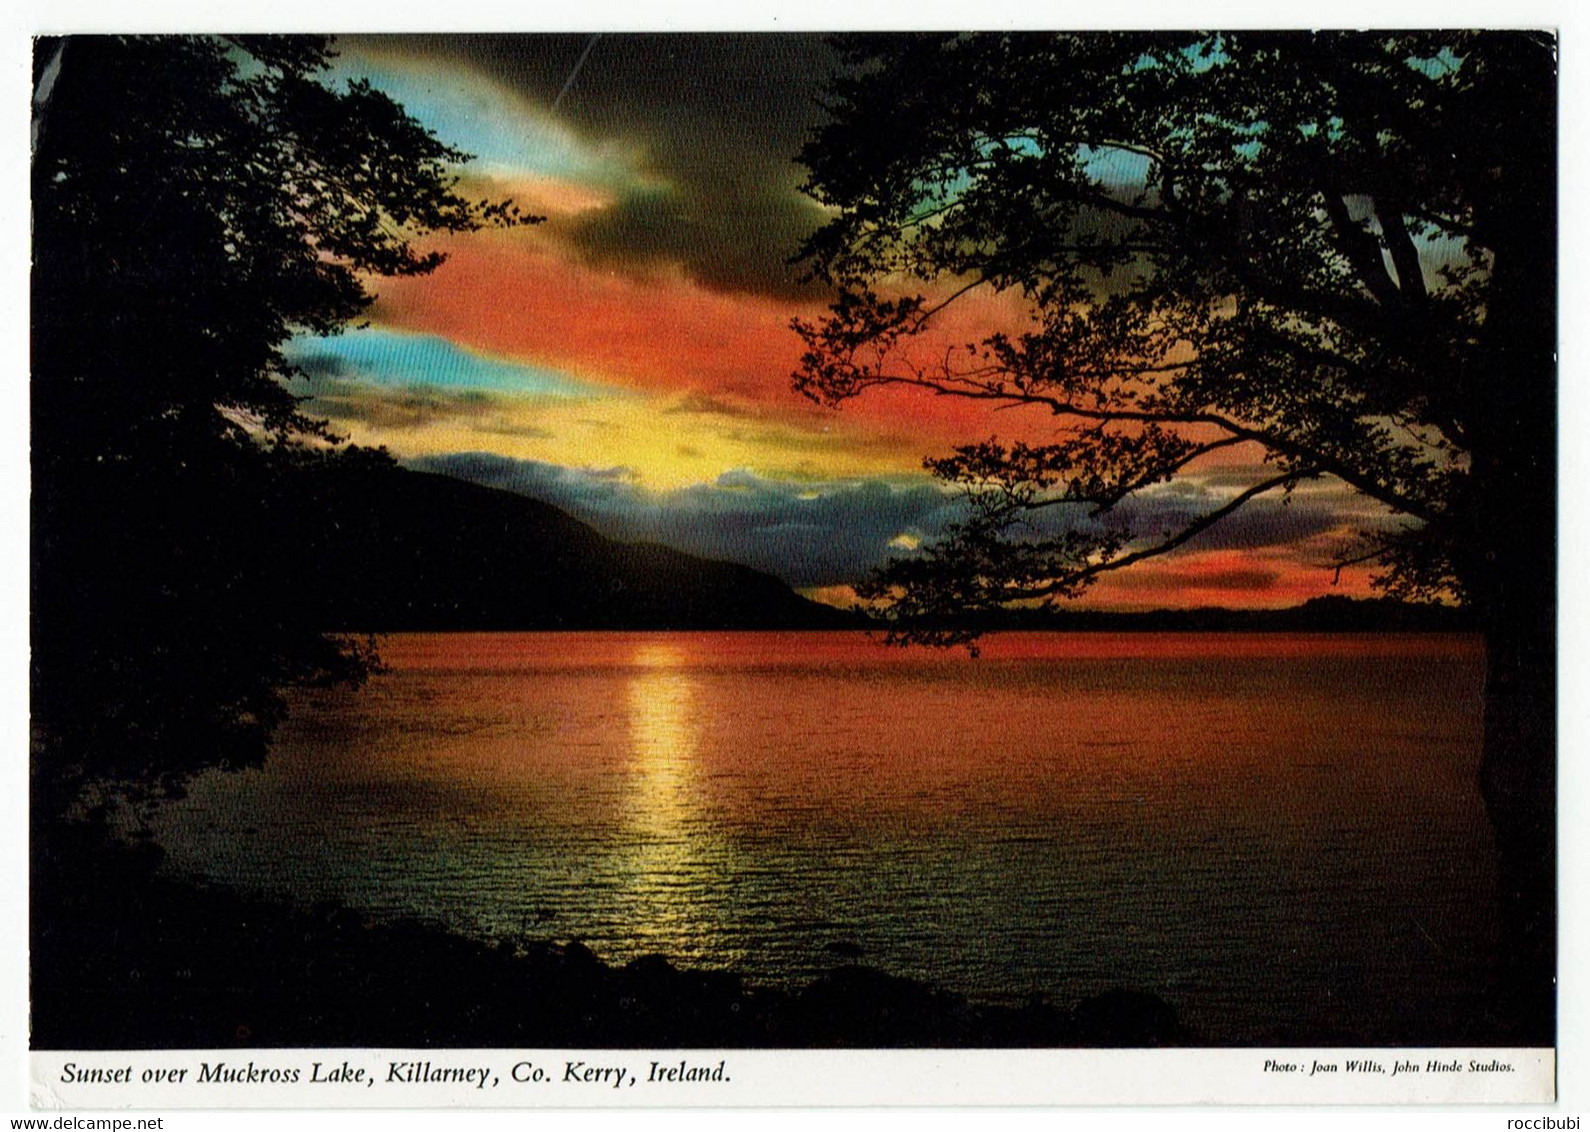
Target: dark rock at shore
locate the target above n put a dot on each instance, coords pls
(1121, 1017)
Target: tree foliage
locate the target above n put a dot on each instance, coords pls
(1333, 248)
(196, 201)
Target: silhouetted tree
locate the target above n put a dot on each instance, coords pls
(1335, 249)
(196, 201)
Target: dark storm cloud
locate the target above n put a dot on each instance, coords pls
(718, 117)
(1269, 521)
(808, 534)
(696, 403)
(410, 407)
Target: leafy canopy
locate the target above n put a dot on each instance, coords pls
(196, 201)
(199, 199)
(1315, 245)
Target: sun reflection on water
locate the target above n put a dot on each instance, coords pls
(674, 851)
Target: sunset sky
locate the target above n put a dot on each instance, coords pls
(629, 359)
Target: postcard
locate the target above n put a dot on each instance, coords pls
(773, 569)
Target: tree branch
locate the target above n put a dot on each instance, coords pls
(1362, 250)
(1404, 256)
(1342, 563)
(1278, 444)
(1105, 501)
(1191, 530)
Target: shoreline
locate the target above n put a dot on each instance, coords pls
(135, 960)
(126, 958)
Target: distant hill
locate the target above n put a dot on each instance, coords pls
(1316, 615)
(403, 550)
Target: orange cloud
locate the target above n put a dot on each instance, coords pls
(520, 295)
(506, 294)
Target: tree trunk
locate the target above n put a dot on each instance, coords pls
(1518, 779)
(1510, 545)
(1514, 568)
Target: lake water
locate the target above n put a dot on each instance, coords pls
(1274, 832)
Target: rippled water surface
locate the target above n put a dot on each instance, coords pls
(1261, 828)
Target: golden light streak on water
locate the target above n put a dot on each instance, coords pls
(669, 834)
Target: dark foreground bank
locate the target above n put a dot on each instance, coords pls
(125, 959)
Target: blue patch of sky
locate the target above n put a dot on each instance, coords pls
(1110, 165)
(1116, 167)
(502, 138)
(1334, 128)
(1207, 53)
(388, 358)
(1438, 66)
(1202, 54)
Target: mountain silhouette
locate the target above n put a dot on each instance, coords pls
(411, 551)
